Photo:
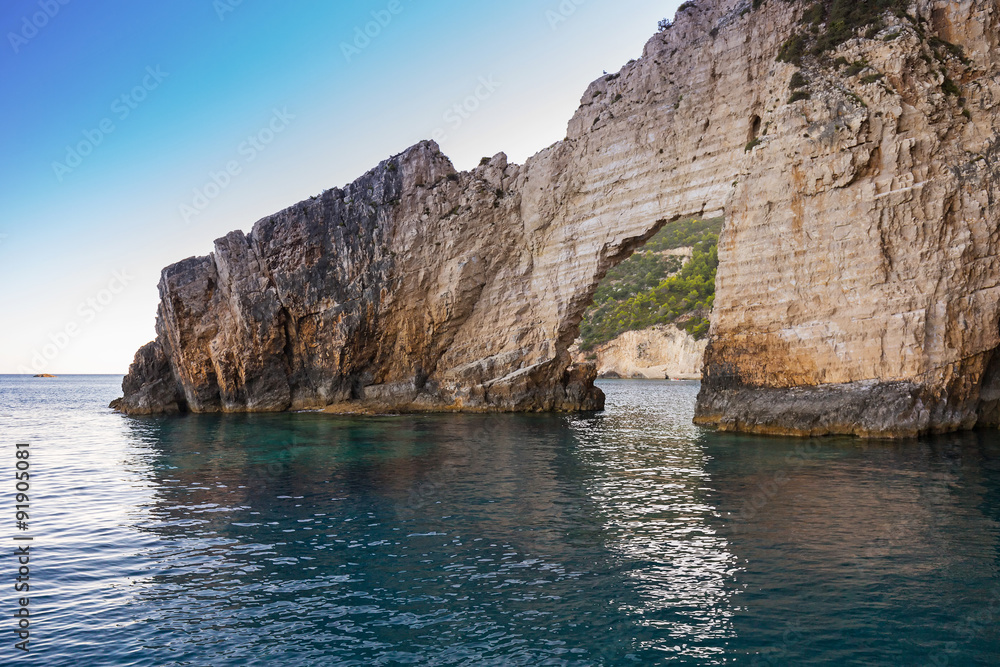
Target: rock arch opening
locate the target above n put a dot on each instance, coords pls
(648, 315)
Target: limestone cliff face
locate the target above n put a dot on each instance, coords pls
(857, 290)
(383, 295)
(654, 353)
(417, 287)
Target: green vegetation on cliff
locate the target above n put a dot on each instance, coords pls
(830, 23)
(826, 24)
(651, 287)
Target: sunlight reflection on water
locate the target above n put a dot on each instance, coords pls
(624, 537)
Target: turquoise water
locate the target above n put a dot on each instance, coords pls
(627, 537)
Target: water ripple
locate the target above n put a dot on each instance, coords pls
(627, 537)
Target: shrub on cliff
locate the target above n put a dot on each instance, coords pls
(829, 23)
(650, 288)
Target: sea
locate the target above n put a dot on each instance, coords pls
(622, 537)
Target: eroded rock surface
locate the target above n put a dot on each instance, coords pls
(378, 295)
(659, 352)
(857, 290)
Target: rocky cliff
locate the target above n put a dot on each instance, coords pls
(857, 290)
(413, 288)
(857, 287)
(654, 353)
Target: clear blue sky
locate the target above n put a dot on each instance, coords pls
(116, 113)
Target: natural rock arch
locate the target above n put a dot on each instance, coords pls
(841, 263)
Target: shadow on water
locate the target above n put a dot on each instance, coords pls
(897, 542)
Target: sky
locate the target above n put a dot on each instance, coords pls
(134, 133)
